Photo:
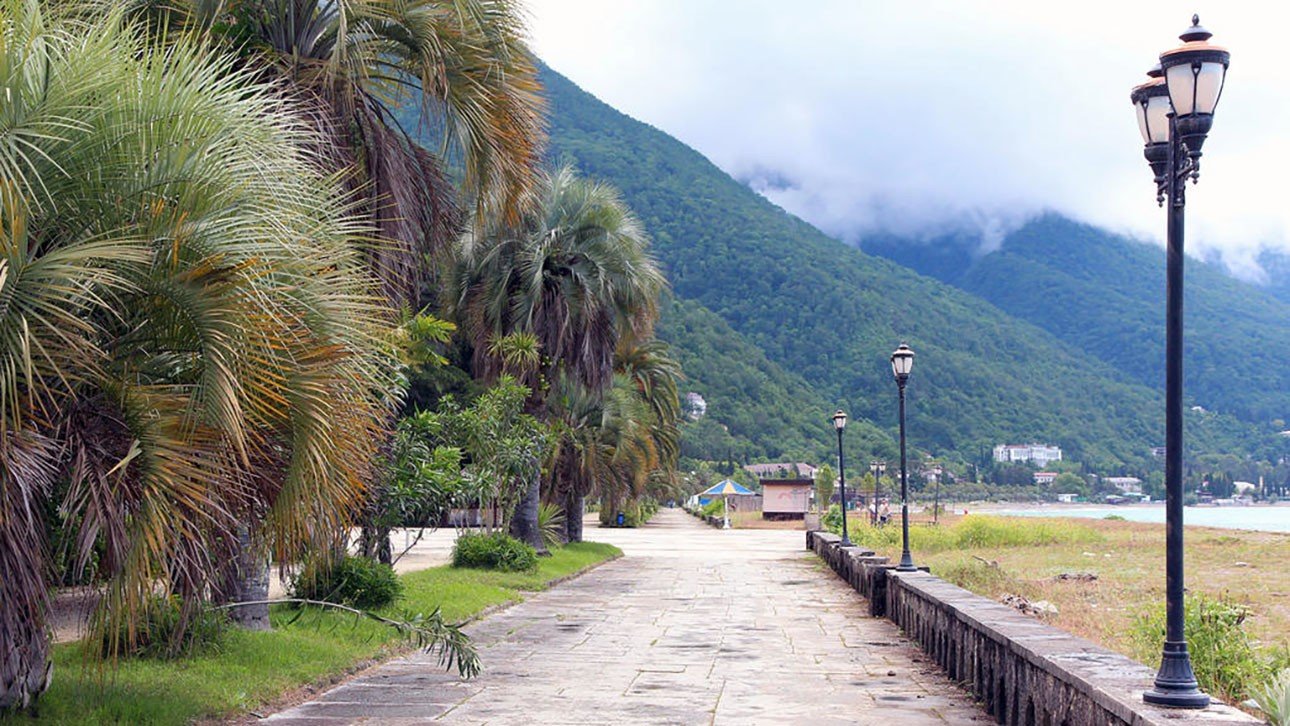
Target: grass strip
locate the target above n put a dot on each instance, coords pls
(247, 670)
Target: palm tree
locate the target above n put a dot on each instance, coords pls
(576, 274)
(188, 336)
(582, 452)
(620, 443)
(641, 420)
(461, 68)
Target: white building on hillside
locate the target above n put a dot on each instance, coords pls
(1039, 454)
(1126, 484)
(695, 406)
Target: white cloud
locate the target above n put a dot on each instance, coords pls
(911, 117)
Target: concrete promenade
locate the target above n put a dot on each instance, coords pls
(693, 626)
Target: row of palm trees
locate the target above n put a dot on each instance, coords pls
(211, 225)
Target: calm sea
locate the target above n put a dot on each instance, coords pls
(1267, 519)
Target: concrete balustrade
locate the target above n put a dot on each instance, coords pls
(1022, 670)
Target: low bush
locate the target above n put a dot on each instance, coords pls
(551, 524)
(354, 581)
(714, 508)
(163, 631)
(1274, 699)
(496, 551)
(1223, 655)
(974, 532)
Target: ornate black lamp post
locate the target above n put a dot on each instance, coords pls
(1175, 111)
(902, 362)
(878, 468)
(839, 423)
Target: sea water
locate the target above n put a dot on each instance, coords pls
(1264, 518)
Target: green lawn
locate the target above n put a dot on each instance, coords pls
(250, 669)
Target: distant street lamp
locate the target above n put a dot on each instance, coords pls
(839, 423)
(1175, 111)
(879, 468)
(936, 503)
(902, 362)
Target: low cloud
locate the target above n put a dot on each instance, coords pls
(868, 117)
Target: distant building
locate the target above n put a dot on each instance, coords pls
(781, 470)
(1244, 487)
(1126, 484)
(1045, 477)
(1038, 454)
(786, 498)
(935, 473)
(695, 406)
(1067, 498)
(1158, 452)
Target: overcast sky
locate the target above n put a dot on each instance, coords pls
(915, 117)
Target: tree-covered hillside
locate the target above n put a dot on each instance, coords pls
(1105, 295)
(756, 410)
(832, 314)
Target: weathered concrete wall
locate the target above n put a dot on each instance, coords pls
(1022, 670)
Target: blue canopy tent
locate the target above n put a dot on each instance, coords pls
(724, 489)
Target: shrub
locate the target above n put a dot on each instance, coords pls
(1274, 699)
(496, 551)
(714, 508)
(1222, 653)
(832, 519)
(354, 581)
(1114, 518)
(551, 524)
(160, 631)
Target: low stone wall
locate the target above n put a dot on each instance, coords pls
(1022, 670)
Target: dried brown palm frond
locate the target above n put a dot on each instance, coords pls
(461, 66)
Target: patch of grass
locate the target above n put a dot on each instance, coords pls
(974, 532)
(305, 646)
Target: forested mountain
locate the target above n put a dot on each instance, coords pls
(756, 409)
(1105, 295)
(830, 314)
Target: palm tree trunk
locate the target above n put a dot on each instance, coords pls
(524, 525)
(25, 667)
(573, 505)
(248, 581)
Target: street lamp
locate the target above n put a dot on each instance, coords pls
(839, 423)
(879, 468)
(902, 362)
(936, 502)
(1175, 111)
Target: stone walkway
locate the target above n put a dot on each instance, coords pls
(693, 626)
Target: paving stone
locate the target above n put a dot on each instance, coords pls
(693, 626)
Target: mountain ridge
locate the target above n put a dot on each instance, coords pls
(831, 313)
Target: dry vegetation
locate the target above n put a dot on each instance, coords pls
(1128, 559)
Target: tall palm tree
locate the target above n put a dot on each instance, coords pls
(619, 443)
(188, 336)
(462, 69)
(576, 273)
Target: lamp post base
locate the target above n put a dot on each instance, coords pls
(906, 563)
(1176, 685)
